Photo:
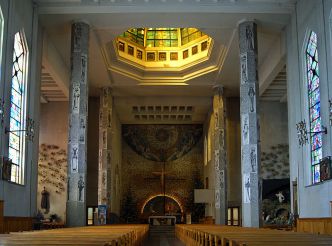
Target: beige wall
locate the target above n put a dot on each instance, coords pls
(116, 164)
(233, 144)
(92, 155)
(53, 132)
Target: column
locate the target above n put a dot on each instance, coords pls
(105, 148)
(249, 110)
(220, 162)
(78, 114)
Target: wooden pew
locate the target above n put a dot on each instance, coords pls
(213, 235)
(93, 235)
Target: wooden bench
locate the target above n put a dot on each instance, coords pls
(112, 235)
(214, 235)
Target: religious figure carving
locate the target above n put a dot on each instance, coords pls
(77, 36)
(216, 160)
(249, 38)
(253, 159)
(76, 98)
(251, 94)
(217, 198)
(245, 129)
(80, 186)
(109, 118)
(247, 188)
(74, 160)
(82, 130)
(244, 69)
(84, 68)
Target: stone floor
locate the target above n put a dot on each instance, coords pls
(163, 241)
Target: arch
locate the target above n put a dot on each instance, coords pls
(161, 195)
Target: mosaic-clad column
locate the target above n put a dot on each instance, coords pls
(78, 114)
(250, 142)
(220, 156)
(105, 148)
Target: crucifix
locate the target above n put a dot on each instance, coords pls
(162, 176)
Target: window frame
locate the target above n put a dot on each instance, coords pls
(19, 178)
(308, 106)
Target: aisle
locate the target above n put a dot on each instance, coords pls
(163, 241)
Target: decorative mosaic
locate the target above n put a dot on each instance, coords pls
(162, 142)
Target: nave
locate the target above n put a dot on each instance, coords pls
(202, 235)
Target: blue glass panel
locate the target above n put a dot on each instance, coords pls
(316, 156)
(16, 98)
(316, 141)
(14, 125)
(316, 174)
(315, 126)
(14, 141)
(14, 155)
(15, 84)
(315, 112)
(314, 97)
(15, 114)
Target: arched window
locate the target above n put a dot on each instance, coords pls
(315, 120)
(18, 98)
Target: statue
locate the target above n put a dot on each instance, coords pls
(280, 197)
(45, 200)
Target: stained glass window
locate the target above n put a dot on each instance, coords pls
(17, 109)
(314, 106)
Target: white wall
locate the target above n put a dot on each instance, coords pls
(20, 200)
(314, 200)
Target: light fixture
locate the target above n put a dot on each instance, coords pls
(302, 132)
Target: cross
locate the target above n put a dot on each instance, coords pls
(163, 178)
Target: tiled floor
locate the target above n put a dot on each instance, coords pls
(163, 241)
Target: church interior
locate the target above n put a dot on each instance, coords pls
(196, 122)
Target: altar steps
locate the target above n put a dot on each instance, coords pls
(162, 231)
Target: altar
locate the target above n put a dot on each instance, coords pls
(162, 220)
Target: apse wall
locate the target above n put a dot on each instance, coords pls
(145, 148)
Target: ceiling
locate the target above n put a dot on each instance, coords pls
(217, 18)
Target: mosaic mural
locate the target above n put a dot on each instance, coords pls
(52, 168)
(275, 162)
(162, 142)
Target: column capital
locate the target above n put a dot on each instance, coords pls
(218, 89)
(106, 91)
(246, 21)
(80, 21)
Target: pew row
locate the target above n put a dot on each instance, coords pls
(214, 235)
(112, 235)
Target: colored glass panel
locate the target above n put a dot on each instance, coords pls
(17, 110)
(314, 106)
(314, 97)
